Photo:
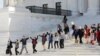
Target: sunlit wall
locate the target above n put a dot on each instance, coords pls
(1, 3)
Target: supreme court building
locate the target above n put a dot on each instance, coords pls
(69, 7)
(17, 14)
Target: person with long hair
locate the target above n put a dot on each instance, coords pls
(44, 39)
(87, 33)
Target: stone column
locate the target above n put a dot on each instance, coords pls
(93, 7)
(5, 3)
(73, 6)
(9, 3)
(19, 1)
(82, 6)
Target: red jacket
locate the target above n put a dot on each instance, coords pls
(98, 35)
(87, 32)
(34, 41)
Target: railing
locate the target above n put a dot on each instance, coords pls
(36, 9)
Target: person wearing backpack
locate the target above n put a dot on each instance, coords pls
(34, 42)
(9, 46)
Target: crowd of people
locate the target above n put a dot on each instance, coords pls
(56, 39)
(90, 33)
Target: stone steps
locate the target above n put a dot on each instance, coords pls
(72, 50)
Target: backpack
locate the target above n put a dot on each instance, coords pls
(34, 41)
(7, 51)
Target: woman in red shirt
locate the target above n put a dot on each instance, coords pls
(86, 33)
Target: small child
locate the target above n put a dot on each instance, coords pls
(34, 42)
(16, 47)
(56, 41)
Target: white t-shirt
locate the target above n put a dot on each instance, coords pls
(62, 36)
(56, 38)
(92, 36)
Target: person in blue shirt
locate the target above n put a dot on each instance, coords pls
(50, 40)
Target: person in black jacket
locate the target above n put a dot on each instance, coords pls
(9, 46)
(98, 26)
(73, 26)
(75, 33)
(81, 34)
(59, 29)
(65, 19)
(66, 28)
(24, 42)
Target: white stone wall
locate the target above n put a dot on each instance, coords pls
(22, 22)
(4, 26)
(24, 25)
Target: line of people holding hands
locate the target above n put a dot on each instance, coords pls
(54, 40)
